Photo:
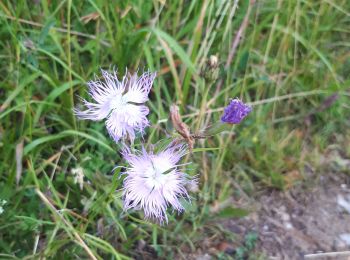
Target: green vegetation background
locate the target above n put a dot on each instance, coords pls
(292, 63)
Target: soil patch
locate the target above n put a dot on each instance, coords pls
(303, 221)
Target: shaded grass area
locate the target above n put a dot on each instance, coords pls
(292, 57)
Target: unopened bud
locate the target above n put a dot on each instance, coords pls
(211, 69)
(213, 61)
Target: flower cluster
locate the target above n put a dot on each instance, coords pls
(154, 180)
(235, 112)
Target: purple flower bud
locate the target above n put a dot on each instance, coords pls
(235, 112)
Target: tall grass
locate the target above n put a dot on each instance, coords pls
(291, 56)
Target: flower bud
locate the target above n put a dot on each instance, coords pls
(211, 69)
(235, 112)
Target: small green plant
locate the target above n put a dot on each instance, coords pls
(248, 246)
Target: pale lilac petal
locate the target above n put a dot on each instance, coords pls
(139, 88)
(111, 80)
(126, 121)
(95, 112)
(117, 127)
(136, 115)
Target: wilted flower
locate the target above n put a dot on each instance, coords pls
(121, 102)
(235, 112)
(154, 182)
(78, 174)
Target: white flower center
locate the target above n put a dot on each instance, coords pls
(117, 102)
(155, 181)
(155, 177)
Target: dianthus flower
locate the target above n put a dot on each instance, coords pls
(120, 102)
(154, 182)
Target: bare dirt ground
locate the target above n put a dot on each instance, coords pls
(309, 221)
(302, 224)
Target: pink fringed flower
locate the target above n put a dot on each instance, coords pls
(120, 102)
(154, 182)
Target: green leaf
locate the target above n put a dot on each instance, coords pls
(217, 128)
(197, 150)
(231, 212)
(277, 180)
(173, 44)
(45, 31)
(29, 147)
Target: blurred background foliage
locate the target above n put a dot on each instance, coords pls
(289, 58)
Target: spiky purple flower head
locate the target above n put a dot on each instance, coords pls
(154, 182)
(235, 112)
(120, 102)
